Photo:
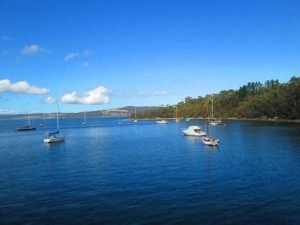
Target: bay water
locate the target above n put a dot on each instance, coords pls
(114, 171)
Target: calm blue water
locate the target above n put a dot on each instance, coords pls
(144, 173)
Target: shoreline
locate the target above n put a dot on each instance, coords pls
(181, 119)
(235, 119)
(266, 120)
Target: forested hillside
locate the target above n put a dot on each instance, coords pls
(254, 101)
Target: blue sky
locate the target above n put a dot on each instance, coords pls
(92, 55)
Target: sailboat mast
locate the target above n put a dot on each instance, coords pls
(57, 124)
(135, 113)
(28, 119)
(212, 108)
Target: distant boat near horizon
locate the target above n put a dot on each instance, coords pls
(25, 128)
(43, 118)
(214, 121)
(84, 122)
(28, 127)
(162, 122)
(135, 120)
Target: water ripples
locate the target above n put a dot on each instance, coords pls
(144, 173)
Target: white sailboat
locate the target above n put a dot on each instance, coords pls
(54, 136)
(162, 122)
(210, 141)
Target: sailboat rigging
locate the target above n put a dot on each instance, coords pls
(176, 115)
(214, 121)
(135, 120)
(43, 120)
(209, 139)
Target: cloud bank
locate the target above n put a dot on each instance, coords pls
(93, 97)
(21, 87)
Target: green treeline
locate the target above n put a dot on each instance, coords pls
(254, 101)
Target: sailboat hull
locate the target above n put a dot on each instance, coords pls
(27, 128)
(53, 139)
(210, 141)
(161, 122)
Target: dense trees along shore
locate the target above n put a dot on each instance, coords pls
(253, 101)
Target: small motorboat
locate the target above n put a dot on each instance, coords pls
(194, 131)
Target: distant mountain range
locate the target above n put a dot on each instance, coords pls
(124, 112)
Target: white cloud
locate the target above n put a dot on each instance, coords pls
(49, 100)
(148, 75)
(151, 94)
(5, 52)
(71, 56)
(159, 93)
(32, 49)
(86, 63)
(93, 97)
(6, 38)
(21, 87)
(142, 93)
(86, 52)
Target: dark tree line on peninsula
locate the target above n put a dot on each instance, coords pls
(253, 100)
